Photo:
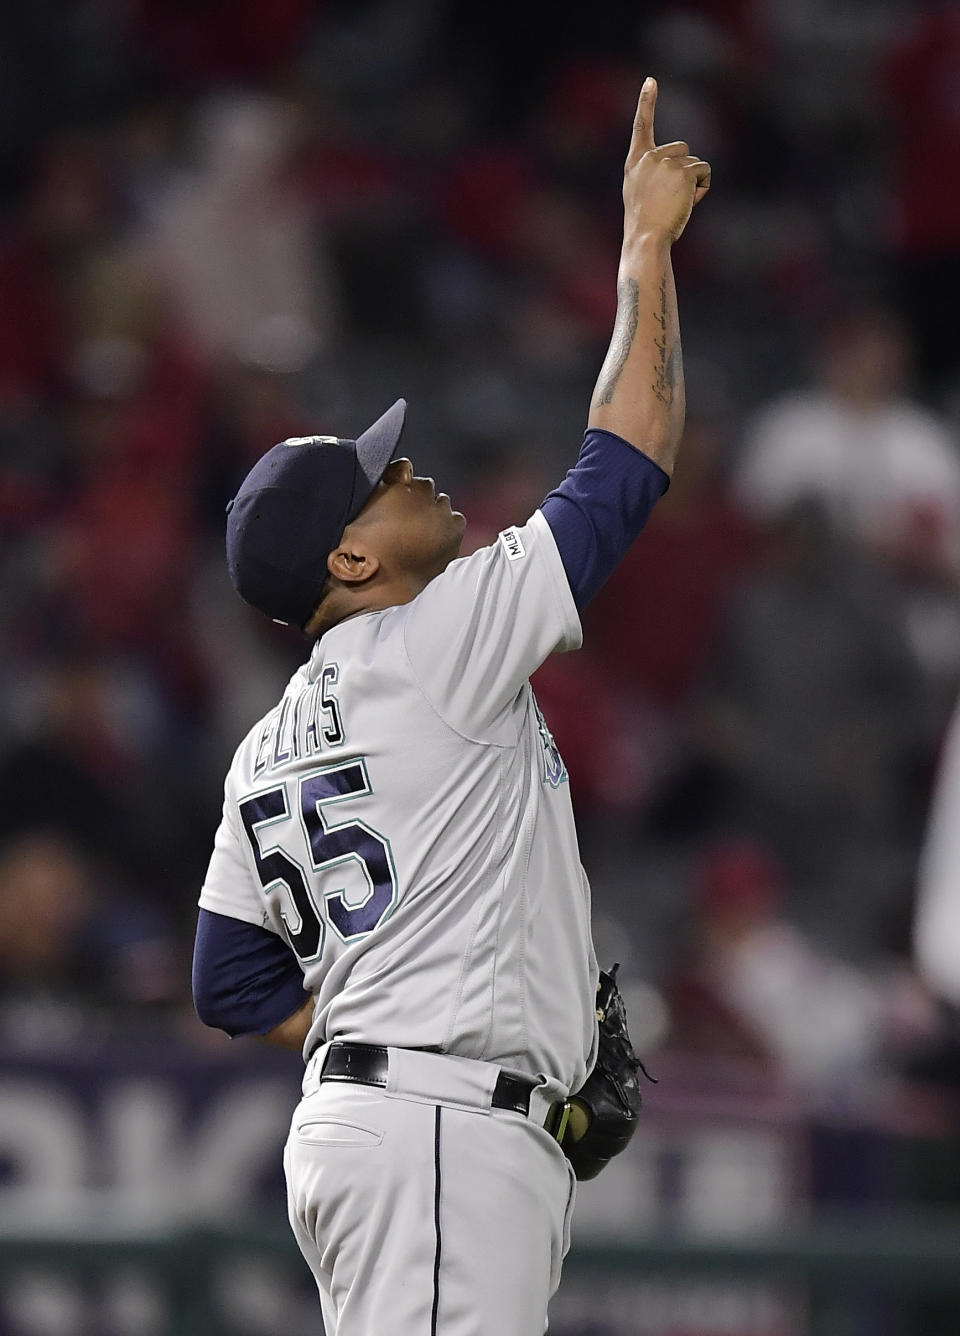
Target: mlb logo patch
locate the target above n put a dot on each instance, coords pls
(512, 545)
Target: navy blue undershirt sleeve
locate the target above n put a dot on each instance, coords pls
(599, 509)
(246, 980)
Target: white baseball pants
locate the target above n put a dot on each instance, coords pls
(420, 1210)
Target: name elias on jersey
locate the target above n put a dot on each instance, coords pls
(302, 727)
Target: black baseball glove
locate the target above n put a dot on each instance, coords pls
(603, 1112)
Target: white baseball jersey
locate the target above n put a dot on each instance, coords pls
(403, 818)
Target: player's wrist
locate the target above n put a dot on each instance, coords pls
(645, 241)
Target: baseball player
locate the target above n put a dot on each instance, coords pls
(937, 914)
(397, 838)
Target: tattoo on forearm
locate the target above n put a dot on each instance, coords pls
(622, 341)
(674, 367)
(666, 374)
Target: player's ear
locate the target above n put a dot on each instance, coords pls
(351, 565)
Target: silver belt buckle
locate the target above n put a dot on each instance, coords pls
(557, 1119)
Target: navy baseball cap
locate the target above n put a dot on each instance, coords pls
(291, 511)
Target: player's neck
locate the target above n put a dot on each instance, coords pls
(346, 603)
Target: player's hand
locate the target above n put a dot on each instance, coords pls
(660, 185)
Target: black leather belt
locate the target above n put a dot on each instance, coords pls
(366, 1064)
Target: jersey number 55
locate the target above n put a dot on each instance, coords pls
(311, 898)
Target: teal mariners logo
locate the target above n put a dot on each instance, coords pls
(554, 771)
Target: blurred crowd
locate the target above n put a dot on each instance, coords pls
(230, 223)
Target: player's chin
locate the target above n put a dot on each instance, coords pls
(458, 524)
(454, 530)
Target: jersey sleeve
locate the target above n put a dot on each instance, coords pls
(600, 508)
(245, 980)
(476, 633)
(230, 886)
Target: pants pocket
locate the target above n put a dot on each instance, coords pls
(318, 1130)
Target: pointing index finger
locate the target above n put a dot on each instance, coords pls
(643, 122)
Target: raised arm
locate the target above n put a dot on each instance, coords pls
(639, 394)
